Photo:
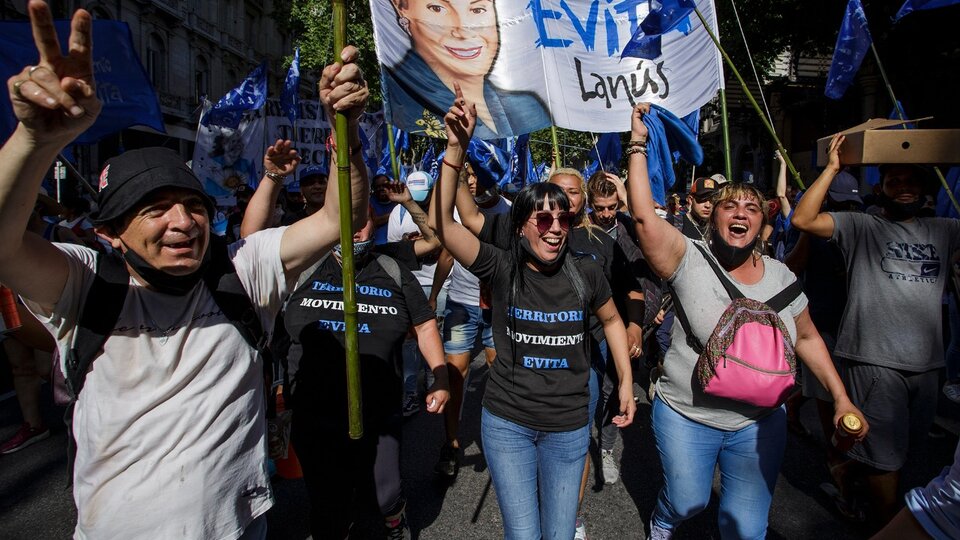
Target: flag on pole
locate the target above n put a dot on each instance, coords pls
(852, 44)
(290, 96)
(249, 96)
(123, 87)
(664, 16)
(910, 6)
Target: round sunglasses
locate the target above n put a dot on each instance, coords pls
(544, 221)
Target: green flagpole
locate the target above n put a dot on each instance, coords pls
(354, 397)
(394, 165)
(746, 90)
(725, 123)
(556, 147)
(893, 97)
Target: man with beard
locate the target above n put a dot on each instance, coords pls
(898, 268)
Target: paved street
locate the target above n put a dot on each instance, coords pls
(35, 503)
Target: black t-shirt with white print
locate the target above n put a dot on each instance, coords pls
(596, 245)
(539, 377)
(314, 320)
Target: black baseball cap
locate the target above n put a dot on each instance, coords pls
(131, 176)
(703, 188)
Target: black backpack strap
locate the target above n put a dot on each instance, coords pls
(223, 283)
(785, 297)
(731, 289)
(576, 280)
(101, 310)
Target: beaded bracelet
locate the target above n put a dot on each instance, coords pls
(637, 150)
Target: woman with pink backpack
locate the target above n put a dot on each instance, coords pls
(743, 323)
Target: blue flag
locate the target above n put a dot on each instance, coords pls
(667, 135)
(608, 152)
(290, 96)
(852, 44)
(401, 142)
(249, 96)
(522, 170)
(664, 16)
(429, 159)
(488, 161)
(918, 5)
(122, 84)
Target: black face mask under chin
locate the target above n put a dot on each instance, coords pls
(162, 281)
(897, 211)
(729, 256)
(525, 244)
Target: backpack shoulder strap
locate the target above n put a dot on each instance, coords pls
(223, 283)
(731, 289)
(97, 319)
(391, 267)
(785, 297)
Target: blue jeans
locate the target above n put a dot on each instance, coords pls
(412, 359)
(749, 461)
(521, 460)
(462, 324)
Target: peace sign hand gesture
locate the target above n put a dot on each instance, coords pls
(56, 99)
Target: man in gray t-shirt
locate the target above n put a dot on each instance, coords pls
(890, 342)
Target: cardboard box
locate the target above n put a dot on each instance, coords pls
(879, 141)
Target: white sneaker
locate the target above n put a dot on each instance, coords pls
(581, 531)
(609, 465)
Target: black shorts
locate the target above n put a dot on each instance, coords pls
(899, 405)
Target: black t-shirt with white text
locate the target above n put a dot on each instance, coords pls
(596, 245)
(539, 376)
(314, 320)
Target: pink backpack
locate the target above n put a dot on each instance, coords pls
(749, 356)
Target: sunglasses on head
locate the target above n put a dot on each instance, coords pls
(544, 221)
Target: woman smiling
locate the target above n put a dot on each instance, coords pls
(455, 40)
(534, 425)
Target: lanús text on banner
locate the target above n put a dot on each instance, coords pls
(564, 55)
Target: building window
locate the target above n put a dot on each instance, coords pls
(201, 79)
(156, 58)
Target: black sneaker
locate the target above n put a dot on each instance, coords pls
(398, 529)
(449, 463)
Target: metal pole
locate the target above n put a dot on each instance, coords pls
(743, 84)
(354, 397)
(893, 98)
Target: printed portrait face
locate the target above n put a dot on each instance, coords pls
(456, 38)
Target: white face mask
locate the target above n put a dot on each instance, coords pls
(661, 212)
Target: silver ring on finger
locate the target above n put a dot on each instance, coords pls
(31, 70)
(16, 88)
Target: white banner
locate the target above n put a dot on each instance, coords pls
(530, 63)
(224, 158)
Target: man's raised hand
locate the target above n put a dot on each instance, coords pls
(56, 99)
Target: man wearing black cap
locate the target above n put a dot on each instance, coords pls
(169, 424)
(890, 342)
(699, 208)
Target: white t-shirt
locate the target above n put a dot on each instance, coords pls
(464, 287)
(400, 224)
(171, 435)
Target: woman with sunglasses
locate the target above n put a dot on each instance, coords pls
(534, 425)
(695, 431)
